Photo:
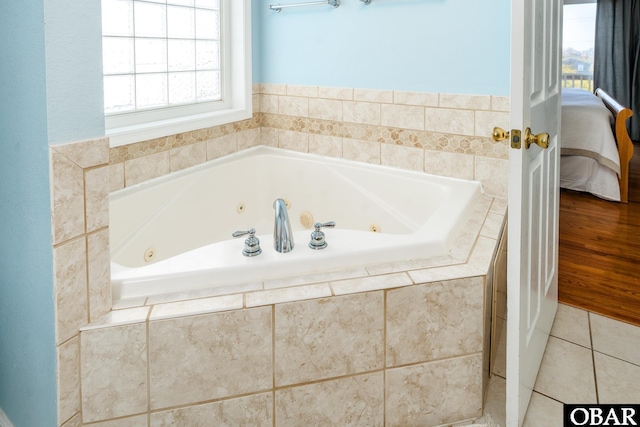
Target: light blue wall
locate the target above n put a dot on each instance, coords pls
(73, 43)
(51, 92)
(256, 37)
(27, 343)
(446, 46)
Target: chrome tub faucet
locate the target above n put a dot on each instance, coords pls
(282, 235)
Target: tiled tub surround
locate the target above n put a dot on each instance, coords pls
(389, 344)
(364, 346)
(81, 173)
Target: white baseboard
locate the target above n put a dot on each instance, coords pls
(4, 421)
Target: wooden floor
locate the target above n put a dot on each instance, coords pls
(599, 266)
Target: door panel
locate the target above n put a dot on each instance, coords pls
(533, 196)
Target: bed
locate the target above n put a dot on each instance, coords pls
(595, 145)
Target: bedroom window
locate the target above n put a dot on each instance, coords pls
(578, 37)
(172, 66)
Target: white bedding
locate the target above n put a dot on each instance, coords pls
(590, 160)
(586, 174)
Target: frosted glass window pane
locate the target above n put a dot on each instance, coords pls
(207, 55)
(119, 93)
(150, 19)
(160, 52)
(182, 88)
(151, 90)
(182, 55)
(181, 22)
(117, 17)
(208, 4)
(207, 24)
(208, 83)
(117, 55)
(181, 2)
(151, 55)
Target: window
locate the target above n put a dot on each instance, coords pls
(171, 66)
(578, 39)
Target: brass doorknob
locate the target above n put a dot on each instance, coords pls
(542, 139)
(499, 134)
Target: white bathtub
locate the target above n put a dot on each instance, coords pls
(186, 219)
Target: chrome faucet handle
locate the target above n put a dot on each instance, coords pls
(251, 244)
(317, 236)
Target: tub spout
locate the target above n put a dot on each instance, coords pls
(282, 235)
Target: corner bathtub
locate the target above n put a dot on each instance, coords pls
(173, 233)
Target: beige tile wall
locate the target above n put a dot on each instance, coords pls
(80, 237)
(311, 337)
(251, 411)
(139, 162)
(341, 122)
(416, 394)
(356, 400)
(114, 372)
(449, 328)
(207, 357)
(310, 362)
(443, 134)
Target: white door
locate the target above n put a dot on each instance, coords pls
(532, 295)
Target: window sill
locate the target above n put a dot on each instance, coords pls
(158, 129)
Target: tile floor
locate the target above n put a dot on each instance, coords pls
(589, 359)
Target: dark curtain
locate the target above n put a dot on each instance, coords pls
(617, 55)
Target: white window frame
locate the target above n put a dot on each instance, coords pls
(130, 127)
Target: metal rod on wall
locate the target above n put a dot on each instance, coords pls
(279, 7)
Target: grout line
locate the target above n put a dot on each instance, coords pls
(148, 336)
(69, 240)
(273, 363)
(384, 357)
(616, 358)
(406, 273)
(549, 397)
(86, 272)
(424, 362)
(569, 341)
(58, 345)
(336, 378)
(193, 405)
(79, 344)
(593, 358)
(112, 421)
